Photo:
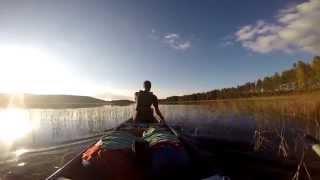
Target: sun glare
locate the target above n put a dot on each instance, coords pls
(28, 69)
(14, 124)
(20, 152)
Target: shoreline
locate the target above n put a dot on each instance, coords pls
(254, 98)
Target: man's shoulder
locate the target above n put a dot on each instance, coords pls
(154, 96)
(145, 93)
(138, 92)
(151, 94)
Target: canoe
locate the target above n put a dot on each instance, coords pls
(75, 168)
(208, 157)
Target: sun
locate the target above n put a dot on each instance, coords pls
(28, 69)
(35, 70)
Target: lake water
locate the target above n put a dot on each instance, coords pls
(36, 142)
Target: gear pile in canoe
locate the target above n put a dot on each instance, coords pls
(153, 151)
(131, 151)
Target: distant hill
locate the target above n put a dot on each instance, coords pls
(61, 101)
(121, 102)
(112, 97)
(56, 101)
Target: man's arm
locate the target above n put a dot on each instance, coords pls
(136, 104)
(156, 107)
(136, 96)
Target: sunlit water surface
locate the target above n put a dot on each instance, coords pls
(35, 142)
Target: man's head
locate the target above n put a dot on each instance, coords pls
(147, 85)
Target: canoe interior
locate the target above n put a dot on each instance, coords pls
(74, 168)
(209, 157)
(238, 161)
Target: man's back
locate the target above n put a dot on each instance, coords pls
(144, 101)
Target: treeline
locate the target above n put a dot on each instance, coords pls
(301, 77)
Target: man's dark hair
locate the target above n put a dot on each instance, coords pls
(147, 85)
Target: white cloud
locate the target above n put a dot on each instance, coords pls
(173, 40)
(172, 36)
(297, 28)
(184, 45)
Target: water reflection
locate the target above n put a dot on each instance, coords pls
(38, 128)
(37, 135)
(21, 164)
(15, 124)
(204, 120)
(20, 152)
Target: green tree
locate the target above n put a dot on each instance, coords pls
(259, 85)
(267, 84)
(288, 76)
(303, 74)
(276, 81)
(316, 70)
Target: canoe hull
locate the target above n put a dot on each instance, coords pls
(75, 170)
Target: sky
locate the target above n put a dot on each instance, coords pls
(107, 48)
